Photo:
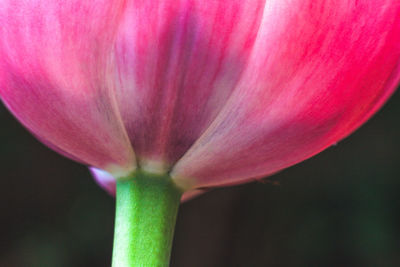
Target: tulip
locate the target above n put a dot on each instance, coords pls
(166, 97)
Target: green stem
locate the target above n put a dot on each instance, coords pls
(146, 209)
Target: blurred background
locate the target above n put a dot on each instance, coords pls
(340, 208)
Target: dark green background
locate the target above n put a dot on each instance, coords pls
(340, 208)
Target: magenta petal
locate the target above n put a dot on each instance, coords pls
(318, 70)
(55, 74)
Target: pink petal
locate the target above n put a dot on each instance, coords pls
(179, 62)
(56, 76)
(317, 71)
(228, 90)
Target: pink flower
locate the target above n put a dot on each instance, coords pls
(214, 92)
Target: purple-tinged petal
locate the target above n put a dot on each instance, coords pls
(104, 179)
(178, 62)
